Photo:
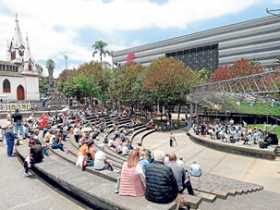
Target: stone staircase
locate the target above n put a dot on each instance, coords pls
(223, 187)
(262, 200)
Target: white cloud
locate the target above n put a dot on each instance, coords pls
(41, 18)
(124, 14)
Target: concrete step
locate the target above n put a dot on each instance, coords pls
(205, 196)
(192, 200)
(277, 151)
(92, 189)
(222, 186)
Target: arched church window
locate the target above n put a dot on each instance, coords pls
(6, 86)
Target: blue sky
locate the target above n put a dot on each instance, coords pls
(56, 28)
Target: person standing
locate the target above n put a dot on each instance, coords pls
(172, 140)
(10, 138)
(17, 118)
(77, 133)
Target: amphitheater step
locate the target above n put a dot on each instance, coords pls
(277, 151)
(262, 200)
(96, 191)
(222, 186)
(193, 201)
(206, 196)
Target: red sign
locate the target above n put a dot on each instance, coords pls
(130, 57)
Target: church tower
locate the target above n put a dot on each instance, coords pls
(29, 65)
(16, 46)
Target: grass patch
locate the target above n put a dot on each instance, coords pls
(259, 108)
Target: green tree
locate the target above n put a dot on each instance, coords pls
(99, 47)
(43, 86)
(168, 81)
(85, 86)
(85, 81)
(101, 76)
(126, 85)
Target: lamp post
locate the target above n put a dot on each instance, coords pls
(66, 61)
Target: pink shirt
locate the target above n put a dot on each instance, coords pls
(130, 182)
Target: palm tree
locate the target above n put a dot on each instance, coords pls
(99, 48)
(50, 66)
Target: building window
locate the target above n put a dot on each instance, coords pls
(6, 86)
(198, 58)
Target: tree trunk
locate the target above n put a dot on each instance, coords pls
(161, 110)
(179, 113)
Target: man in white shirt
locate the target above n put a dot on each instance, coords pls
(196, 169)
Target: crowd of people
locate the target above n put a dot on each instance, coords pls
(158, 177)
(231, 132)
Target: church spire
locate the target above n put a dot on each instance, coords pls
(28, 60)
(27, 55)
(18, 41)
(16, 48)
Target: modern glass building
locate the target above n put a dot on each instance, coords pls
(257, 40)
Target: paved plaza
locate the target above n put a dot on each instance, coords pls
(249, 169)
(20, 193)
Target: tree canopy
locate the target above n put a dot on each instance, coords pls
(99, 47)
(165, 82)
(240, 68)
(168, 80)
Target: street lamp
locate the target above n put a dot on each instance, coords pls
(66, 61)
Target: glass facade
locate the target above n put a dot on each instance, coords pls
(198, 58)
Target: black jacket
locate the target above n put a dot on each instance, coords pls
(17, 117)
(36, 154)
(161, 185)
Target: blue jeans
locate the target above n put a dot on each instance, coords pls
(57, 146)
(18, 129)
(10, 147)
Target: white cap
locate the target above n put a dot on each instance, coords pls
(159, 155)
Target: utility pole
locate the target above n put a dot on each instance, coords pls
(66, 61)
